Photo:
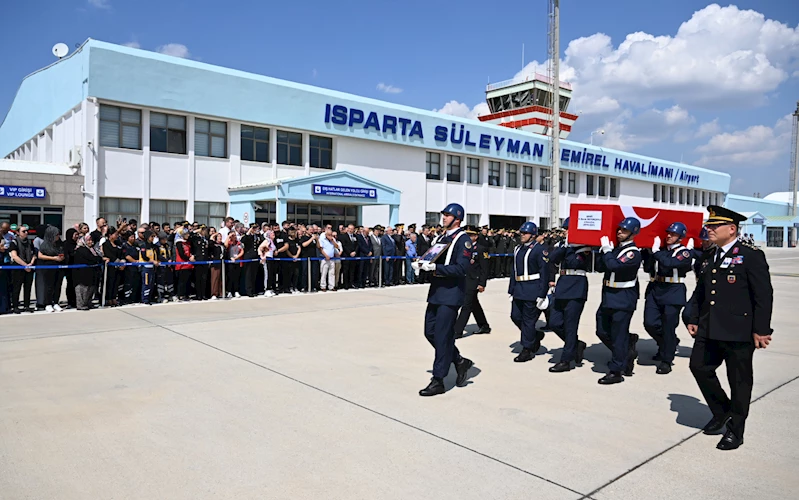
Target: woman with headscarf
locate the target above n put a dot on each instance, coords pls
(112, 254)
(266, 251)
(69, 256)
(217, 250)
(50, 254)
(38, 278)
(84, 277)
(183, 255)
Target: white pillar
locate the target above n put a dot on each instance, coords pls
(146, 166)
(192, 168)
(234, 153)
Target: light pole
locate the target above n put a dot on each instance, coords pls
(601, 132)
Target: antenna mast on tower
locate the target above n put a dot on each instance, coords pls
(794, 159)
(553, 73)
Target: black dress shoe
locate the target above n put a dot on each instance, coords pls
(580, 351)
(562, 366)
(458, 335)
(631, 357)
(435, 387)
(664, 368)
(611, 378)
(462, 369)
(539, 336)
(716, 425)
(483, 330)
(525, 355)
(730, 441)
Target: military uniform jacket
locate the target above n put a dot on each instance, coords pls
(668, 268)
(620, 283)
(477, 275)
(574, 261)
(200, 248)
(530, 280)
(733, 297)
(448, 283)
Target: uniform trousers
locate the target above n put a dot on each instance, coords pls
(184, 275)
(165, 280)
(5, 290)
(613, 329)
(564, 318)
(201, 274)
(388, 272)
(660, 322)
(524, 315)
(147, 283)
(250, 276)
(22, 280)
(706, 357)
(471, 305)
(439, 322)
(363, 273)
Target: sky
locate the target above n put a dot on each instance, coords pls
(713, 85)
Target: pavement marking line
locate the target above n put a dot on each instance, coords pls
(650, 459)
(56, 335)
(358, 405)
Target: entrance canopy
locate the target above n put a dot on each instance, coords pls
(339, 187)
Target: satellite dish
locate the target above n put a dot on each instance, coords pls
(60, 50)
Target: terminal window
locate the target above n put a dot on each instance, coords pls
(433, 166)
(289, 148)
(614, 188)
(589, 185)
(113, 209)
(120, 127)
(321, 152)
(527, 177)
(453, 168)
(168, 133)
(255, 143)
(167, 211)
(473, 219)
(511, 170)
(432, 218)
(572, 183)
(210, 138)
(210, 213)
(494, 172)
(473, 170)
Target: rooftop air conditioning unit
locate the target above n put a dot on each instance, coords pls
(75, 157)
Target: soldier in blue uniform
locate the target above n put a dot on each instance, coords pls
(619, 297)
(665, 293)
(571, 292)
(528, 289)
(699, 255)
(445, 297)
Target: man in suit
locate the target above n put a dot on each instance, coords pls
(350, 246)
(476, 279)
(364, 250)
(730, 318)
(422, 246)
(377, 252)
(389, 250)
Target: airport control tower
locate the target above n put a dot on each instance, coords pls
(526, 103)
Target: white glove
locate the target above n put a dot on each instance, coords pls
(416, 265)
(656, 244)
(510, 298)
(428, 266)
(607, 246)
(690, 245)
(542, 303)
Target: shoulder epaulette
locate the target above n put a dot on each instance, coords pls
(749, 245)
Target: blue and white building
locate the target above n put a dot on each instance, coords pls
(115, 131)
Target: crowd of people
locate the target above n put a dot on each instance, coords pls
(148, 263)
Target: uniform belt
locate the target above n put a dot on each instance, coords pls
(572, 272)
(620, 284)
(529, 277)
(666, 279)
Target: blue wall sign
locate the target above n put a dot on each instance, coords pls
(37, 193)
(758, 220)
(351, 192)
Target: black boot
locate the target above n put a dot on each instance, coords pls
(463, 369)
(562, 366)
(483, 330)
(525, 355)
(664, 368)
(611, 378)
(435, 387)
(580, 351)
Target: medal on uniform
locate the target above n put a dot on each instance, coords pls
(731, 278)
(726, 262)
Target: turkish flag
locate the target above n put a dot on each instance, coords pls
(589, 222)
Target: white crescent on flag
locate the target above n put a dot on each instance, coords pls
(630, 212)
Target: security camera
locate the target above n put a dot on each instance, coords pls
(257, 206)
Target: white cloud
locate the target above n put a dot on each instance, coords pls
(462, 110)
(174, 49)
(754, 146)
(630, 131)
(388, 89)
(709, 128)
(100, 4)
(314, 73)
(133, 45)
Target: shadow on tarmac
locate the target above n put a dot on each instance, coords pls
(690, 411)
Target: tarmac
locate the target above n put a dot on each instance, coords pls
(316, 396)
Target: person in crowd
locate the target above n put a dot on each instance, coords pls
(410, 257)
(307, 241)
(217, 252)
(423, 240)
(38, 277)
(184, 256)
(200, 250)
(364, 251)
(113, 254)
(250, 242)
(476, 282)
(266, 251)
(349, 246)
(148, 256)
(234, 252)
(70, 244)
(377, 252)
(389, 251)
(329, 252)
(85, 279)
(132, 279)
(50, 253)
(399, 250)
(165, 275)
(293, 268)
(6, 236)
(23, 254)
(337, 262)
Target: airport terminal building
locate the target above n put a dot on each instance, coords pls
(115, 131)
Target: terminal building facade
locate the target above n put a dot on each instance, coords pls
(114, 131)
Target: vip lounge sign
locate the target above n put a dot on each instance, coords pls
(25, 192)
(346, 191)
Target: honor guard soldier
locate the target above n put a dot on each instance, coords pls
(571, 292)
(445, 297)
(665, 293)
(528, 288)
(730, 318)
(619, 298)
(476, 278)
(699, 255)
